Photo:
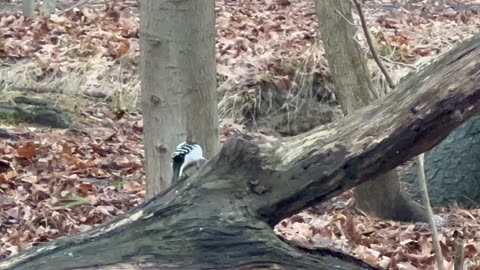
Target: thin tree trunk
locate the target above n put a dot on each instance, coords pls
(354, 90)
(178, 82)
(48, 7)
(28, 8)
(353, 86)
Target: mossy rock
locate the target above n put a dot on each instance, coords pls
(452, 168)
(34, 110)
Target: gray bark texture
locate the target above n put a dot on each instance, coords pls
(354, 90)
(222, 216)
(178, 82)
(48, 7)
(351, 77)
(453, 168)
(28, 8)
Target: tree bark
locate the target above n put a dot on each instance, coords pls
(222, 216)
(178, 82)
(452, 168)
(201, 106)
(351, 77)
(48, 7)
(381, 196)
(28, 8)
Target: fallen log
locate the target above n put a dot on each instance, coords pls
(222, 216)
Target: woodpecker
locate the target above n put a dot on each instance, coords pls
(184, 156)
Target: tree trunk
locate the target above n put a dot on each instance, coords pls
(48, 7)
(382, 196)
(452, 168)
(178, 82)
(222, 216)
(28, 8)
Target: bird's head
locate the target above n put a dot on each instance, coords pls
(185, 155)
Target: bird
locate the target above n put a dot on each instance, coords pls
(185, 155)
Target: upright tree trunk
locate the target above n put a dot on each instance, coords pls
(178, 82)
(354, 90)
(48, 7)
(28, 8)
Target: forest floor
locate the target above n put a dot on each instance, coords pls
(57, 182)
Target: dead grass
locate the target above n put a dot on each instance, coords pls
(117, 81)
(398, 70)
(286, 89)
(243, 97)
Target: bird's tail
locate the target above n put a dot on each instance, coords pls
(176, 172)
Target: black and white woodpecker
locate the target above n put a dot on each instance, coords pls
(185, 155)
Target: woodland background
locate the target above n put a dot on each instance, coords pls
(272, 79)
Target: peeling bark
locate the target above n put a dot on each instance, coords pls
(221, 217)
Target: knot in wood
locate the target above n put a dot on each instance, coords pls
(162, 148)
(260, 189)
(155, 99)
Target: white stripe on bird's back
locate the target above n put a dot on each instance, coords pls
(183, 149)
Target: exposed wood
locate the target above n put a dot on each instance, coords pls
(221, 217)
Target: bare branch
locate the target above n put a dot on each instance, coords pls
(426, 203)
(370, 45)
(459, 254)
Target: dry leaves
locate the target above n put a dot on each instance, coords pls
(386, 244)
(55, 183)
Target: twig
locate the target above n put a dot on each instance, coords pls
(345, 18)
(370, 45)
(398, 63)
(459, 254)
(38, 90)
(80, 3)
(426, 203)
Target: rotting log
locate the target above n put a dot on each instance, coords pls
(222, 216)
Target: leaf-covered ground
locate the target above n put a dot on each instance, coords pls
(55, 183)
